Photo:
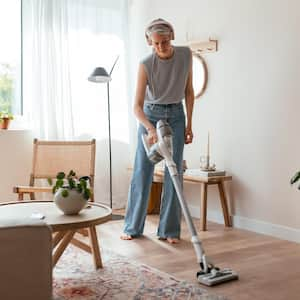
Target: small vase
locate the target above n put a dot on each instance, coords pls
(4, 123)
(70, 205)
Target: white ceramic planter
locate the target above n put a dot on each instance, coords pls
(70, 205)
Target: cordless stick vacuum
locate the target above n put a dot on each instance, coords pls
(163, 150)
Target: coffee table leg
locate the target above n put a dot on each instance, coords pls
(57, 237)
(62, 246)
(95, 247)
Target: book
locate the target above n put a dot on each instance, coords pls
(198, 172)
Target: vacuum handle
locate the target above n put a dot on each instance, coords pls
(184, 207)
(188, 219)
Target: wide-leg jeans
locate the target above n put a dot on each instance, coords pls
(170, 211)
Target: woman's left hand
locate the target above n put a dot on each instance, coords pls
(188, 135)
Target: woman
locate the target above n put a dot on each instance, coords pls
(164, 80)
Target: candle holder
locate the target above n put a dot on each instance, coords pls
(205, 164)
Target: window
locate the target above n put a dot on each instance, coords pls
(10, 56)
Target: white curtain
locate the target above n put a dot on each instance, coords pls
(64, 40)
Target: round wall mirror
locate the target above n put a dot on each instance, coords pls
(199, 75)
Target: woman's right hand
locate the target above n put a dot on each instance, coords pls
(152, 136)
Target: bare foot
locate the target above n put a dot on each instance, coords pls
(172, 240)
(126, 237)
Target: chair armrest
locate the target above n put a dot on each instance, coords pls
(21, 190)
(30, 189)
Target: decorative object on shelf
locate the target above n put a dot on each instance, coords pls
(5, 118)
(100, 75)
(201, 173)
(70, 194)
(295, 178)
(200, 47)
(205, 159)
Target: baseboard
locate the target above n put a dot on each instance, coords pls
(278, 231)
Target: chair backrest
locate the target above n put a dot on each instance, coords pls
(51, 157)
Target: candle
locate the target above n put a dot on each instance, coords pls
(208, 146)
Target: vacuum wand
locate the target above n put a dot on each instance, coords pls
(163, 150)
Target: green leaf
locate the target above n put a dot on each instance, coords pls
(65, 193)
(295, 178)
(86, 194)
(59, 183)
(54, 189)
(71, 183)
(72, 174)
(50, 181)
(60, 175)
(83, 183)
(79, 188)
(86, 178)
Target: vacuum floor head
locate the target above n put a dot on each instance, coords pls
(216, 276)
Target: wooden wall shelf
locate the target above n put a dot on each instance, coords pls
(199, 47)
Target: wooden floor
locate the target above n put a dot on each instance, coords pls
(269, 268)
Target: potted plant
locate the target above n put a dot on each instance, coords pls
(5, 118)
(295, 178)
(70, 193)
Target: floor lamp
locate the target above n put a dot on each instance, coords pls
(100, 75)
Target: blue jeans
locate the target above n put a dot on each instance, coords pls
(170, 211)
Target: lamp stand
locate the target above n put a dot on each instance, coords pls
(114, 216)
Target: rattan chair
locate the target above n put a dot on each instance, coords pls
(51, 157)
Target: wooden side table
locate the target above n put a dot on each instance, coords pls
(205, 181)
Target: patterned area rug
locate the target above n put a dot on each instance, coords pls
(75, 278)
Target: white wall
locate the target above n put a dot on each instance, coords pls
(251, 105)
(15, 161)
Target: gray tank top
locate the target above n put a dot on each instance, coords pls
(167, 77)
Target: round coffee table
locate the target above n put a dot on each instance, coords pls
(63, 226)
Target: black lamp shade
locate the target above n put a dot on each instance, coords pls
(99, 75)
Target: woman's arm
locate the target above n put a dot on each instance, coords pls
(189, 104)
(139, 104)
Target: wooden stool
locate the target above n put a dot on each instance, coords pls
(155, 194)
(204, 181)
